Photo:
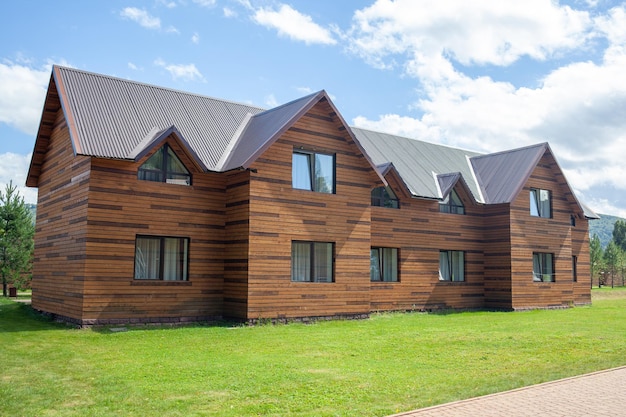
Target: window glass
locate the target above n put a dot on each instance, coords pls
(311, 262)
(540, 203)
(452, 204)
(301, 171)
(384, 264)
(384, 197)
(451, 265)
(164, 166)
(543, 267)
(574, 268)
(313, 171)
(161, 258)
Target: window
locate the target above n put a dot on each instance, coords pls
(451, 265)
(384, 264)
(452, 204)
(572, 220)
(312, 261)
(164, 166)
(574, 268)
(543, 267)
(313, 171)
(161, 258)
(384, 197)
(540, 203)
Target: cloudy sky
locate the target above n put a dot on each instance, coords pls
(484, 75)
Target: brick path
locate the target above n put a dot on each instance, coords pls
(598, 394)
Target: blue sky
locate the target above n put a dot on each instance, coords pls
(483, 75)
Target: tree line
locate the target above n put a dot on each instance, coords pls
(608, 265)
(17, 231)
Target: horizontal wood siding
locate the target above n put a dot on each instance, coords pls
(236, 244)
(547, 235)
(280, 214)
(122, 207)
(496, 219)
(61, 227)
(420, 231)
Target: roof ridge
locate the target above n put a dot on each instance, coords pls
(156, 87)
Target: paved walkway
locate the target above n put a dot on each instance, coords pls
(598, 394)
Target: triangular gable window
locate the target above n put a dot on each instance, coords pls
(384, 197)
(452, 204)
(164, 166)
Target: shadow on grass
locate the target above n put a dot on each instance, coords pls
(20, 317)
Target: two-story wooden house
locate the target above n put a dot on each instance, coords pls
(157, 205)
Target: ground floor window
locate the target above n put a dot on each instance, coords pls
(451, 265)
(575, 268)
(543, 267)
(312, 261)
(161, 258)
(384, 264)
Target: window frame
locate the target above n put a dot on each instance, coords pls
(448, 205)
(536, 208)
(453, 265)
(542, 260)
(312, 161)
(183, 267)
(383, 254)
(311, 261)
(384, 197)
(163, 172)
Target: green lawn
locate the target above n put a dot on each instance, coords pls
(387, 364)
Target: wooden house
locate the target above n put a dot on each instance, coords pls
(162, 206)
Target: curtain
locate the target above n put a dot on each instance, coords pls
(175, 259)
(300, 261)
(375, 265)
(323, 253)
(147, 259)
(390, 264)
(444, 266)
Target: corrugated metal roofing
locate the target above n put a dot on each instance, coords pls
(263, 128)
(109, 116)
(502, 175)
(416, 161)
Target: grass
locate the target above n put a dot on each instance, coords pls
(376, 367)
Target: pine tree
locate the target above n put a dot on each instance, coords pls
(619, 234)
(16, 237)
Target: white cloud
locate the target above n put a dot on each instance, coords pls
(185, 72)
(228, 12)
(293, 24)
(578, 107)
(22, 92)
(195, 38)
(477, 32)
(142, 17)
(270, 101)
(14, 167)
(205, 3)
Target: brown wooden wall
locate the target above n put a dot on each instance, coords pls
(535, 234)
(497, 247)
(61, 228)
(122, 207)
(420, 231)
(280, 214)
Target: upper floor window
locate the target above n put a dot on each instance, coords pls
(452, 204)
(384, 197)
(451, 265)
(312, 261)
(540, 203)
(384, 264)
(543, 267)
(313, 171)
(161, 258)
(164, 166)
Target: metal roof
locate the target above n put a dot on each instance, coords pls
(418, 162)
(109, 117)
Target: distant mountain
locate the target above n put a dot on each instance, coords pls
(603, 227)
